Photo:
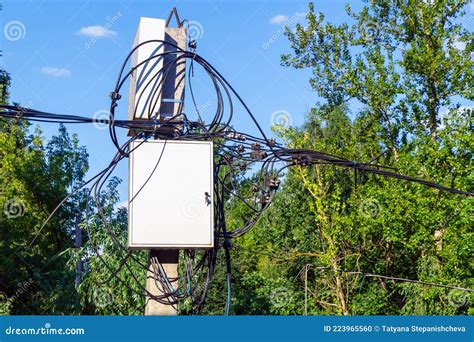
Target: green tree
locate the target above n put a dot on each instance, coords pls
(404, 61)
(35, 177)
(408, 64)
(112, 282)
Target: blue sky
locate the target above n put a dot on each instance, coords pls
(57, 65)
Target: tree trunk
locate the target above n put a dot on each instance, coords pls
(339, 291)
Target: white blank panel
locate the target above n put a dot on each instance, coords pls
(140, 95)
(168, 206)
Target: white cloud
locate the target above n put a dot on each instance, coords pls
(445, 111)
(279, 19)
(56, 72)
(460, 45)
(123, 204)
(97, 32)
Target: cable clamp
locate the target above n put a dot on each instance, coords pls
(115, 96)
(192, 44)
(271, 142)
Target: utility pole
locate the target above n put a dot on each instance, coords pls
(171, 101)
(169, 259)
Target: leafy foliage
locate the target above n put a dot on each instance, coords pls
(332, 242)
(328, 227)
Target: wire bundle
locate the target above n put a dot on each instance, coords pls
(235, 154)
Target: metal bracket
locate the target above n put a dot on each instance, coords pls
(172, 100)
(176, 15)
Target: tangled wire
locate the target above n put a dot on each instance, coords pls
(235, 154)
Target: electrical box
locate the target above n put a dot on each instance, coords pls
(170, 194)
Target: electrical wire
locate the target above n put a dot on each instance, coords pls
(236, 153)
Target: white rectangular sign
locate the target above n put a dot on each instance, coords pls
(145, 85)
(170, 194)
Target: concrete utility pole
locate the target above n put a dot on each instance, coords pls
(171, 101)
(169, 259)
